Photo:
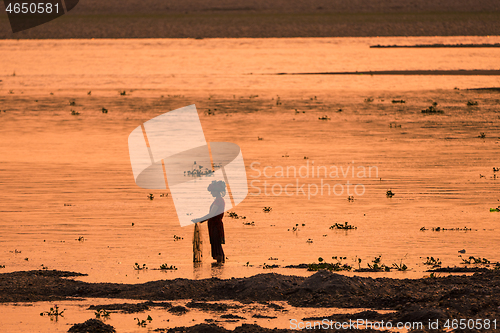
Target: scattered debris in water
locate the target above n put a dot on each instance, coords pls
(434, 262)
(345, 226)
(432, 109)
(447, 229)
(167, 267)
(139, 268)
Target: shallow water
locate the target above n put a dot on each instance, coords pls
(23, 317)
(232, 65)
(64, 177)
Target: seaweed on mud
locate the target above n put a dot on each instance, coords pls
(323, 265)
(377, 266)
(130, 307)
(458, 270)
(434, 262)
(263, 316)
(231, 316)
(219, 307)
(297, 266)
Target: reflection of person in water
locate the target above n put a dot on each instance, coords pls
(214, 217)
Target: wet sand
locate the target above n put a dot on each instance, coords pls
(259, 18)
(441, 297)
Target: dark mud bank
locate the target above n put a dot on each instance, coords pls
(475, 295)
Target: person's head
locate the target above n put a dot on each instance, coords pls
(217, 188)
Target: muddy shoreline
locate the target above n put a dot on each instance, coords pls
(438, 297)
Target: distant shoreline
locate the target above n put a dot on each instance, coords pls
(434, 46)
(409, 72)
(254, 24)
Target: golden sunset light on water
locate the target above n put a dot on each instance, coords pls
(208, 166)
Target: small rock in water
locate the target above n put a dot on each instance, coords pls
(178, 310)
(92, 326)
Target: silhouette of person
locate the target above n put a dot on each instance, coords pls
(214, 217)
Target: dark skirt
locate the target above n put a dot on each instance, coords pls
(216, 233)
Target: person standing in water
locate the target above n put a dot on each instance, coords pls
(214, 217)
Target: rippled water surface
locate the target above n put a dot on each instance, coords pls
(68, 199)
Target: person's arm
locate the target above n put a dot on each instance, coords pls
(213, 212)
